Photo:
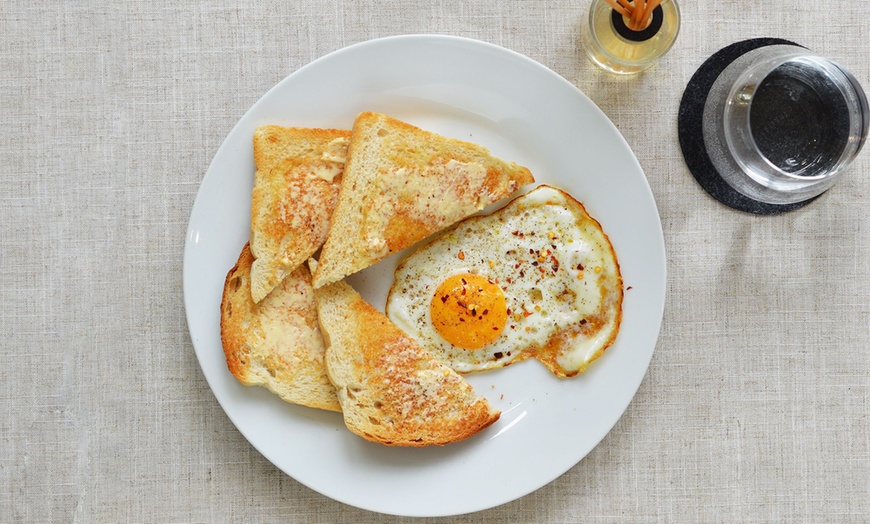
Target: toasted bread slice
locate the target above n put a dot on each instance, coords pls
(391, 390)
(276, 343)
(295, 190)
(402, 184)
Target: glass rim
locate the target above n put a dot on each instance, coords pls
(753, 76)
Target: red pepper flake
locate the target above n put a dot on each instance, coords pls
(462, 304)
(527, 313)
(509, 311)
(443, 299)
(579, 267)
(629, 287)
(461, 256)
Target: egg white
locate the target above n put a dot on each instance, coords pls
(558, 272)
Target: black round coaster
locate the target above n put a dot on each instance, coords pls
(691, 130)
(658, 18)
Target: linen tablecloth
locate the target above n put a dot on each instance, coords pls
(756, 405)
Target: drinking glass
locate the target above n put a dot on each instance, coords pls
(782, 123)
(611, 45)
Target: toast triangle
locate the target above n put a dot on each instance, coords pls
(298, 173)
(391, 390)
(402, 184)
(277, 343)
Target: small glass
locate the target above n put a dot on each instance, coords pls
(614, 47)
(781, 123)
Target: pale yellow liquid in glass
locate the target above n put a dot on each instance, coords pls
(613, 52)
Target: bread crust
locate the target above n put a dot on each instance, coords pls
(392, 391)
(401, 184)
(277, 343)
(298, 174)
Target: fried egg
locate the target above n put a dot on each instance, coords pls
(536, 279)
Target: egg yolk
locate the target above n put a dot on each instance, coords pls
(469, 311)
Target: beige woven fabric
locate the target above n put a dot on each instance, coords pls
(756, 406)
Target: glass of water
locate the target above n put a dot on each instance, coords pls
(781, 123)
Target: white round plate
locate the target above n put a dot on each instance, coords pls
(521, 111)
